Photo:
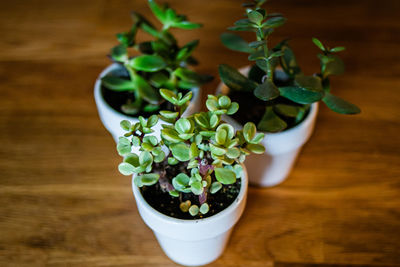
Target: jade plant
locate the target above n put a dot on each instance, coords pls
(275, 79)
(202, 153)
(157, 63)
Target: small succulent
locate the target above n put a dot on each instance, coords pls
(161, 63)
(209, 150)
(276, 78)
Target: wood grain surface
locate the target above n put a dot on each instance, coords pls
(63, 203)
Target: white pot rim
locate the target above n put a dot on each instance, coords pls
(171, 220)
(101, 101)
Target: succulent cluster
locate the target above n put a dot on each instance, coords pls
(276, 77)
(210, 150)
(161, 63)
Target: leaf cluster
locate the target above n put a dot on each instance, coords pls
(287, 97)
(211, 150)
(158, 63)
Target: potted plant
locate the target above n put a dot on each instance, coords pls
(190, 185)
(275, 94)
(129, 87)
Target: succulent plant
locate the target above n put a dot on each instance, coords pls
(161, 63)
(209, 151)
(276, 78)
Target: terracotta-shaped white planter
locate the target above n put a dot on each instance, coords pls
(281, 149)
(193, 242)
(112, 118)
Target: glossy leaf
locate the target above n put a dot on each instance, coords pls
(339, 105)
(235, 42)
(225, 176)
(180, 151)
(266, 91)
(300, 95)
(117, 84)
(148, 63)
(234, 79)
(271, 122)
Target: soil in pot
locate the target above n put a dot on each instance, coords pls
(252, 109)
(163, 202)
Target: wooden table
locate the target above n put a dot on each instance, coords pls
(63, 203)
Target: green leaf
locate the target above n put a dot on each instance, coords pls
(119, 53)
(172, 161)
(256, 148)
(185, 99)
(312, 83)
(123, 146)
(132, 159)
(300, 95)
(339, 105)
(234, 79)
(287, 110)
(255, 17)
(169, 95)
(225, 176)
(274, 22)
(152, 120)
(146, 91)
(157, 11)
(197, 188)
(228, 128)
(160, 157)
(318, 43)
(233, 108)
(220, 136)
(117, 84)
(257, 139)
(125, 125)
(266, 91)
(180, 181)
(183, 125)
(218, 151)
(288, 61)
(249, 131)
(194, 210)
(148, 63)
(204, 208)
(186, 25)
(180, 151)
(201, 118)
(145, 158)
(256, 44)
(233, 153)
(171, 135)
(135, 141)
(148, 178)
(174, 193)
(270, 122)
(334, 66)
(215, 187)
(194, 151)
(235, 42)
(337, 49)
(126, 168)
(169, 114)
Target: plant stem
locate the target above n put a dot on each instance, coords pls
(262, 37)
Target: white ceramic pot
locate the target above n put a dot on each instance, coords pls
(111, 118)
(193, 242)
(281, 149)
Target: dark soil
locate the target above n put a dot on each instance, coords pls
(168, 205)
